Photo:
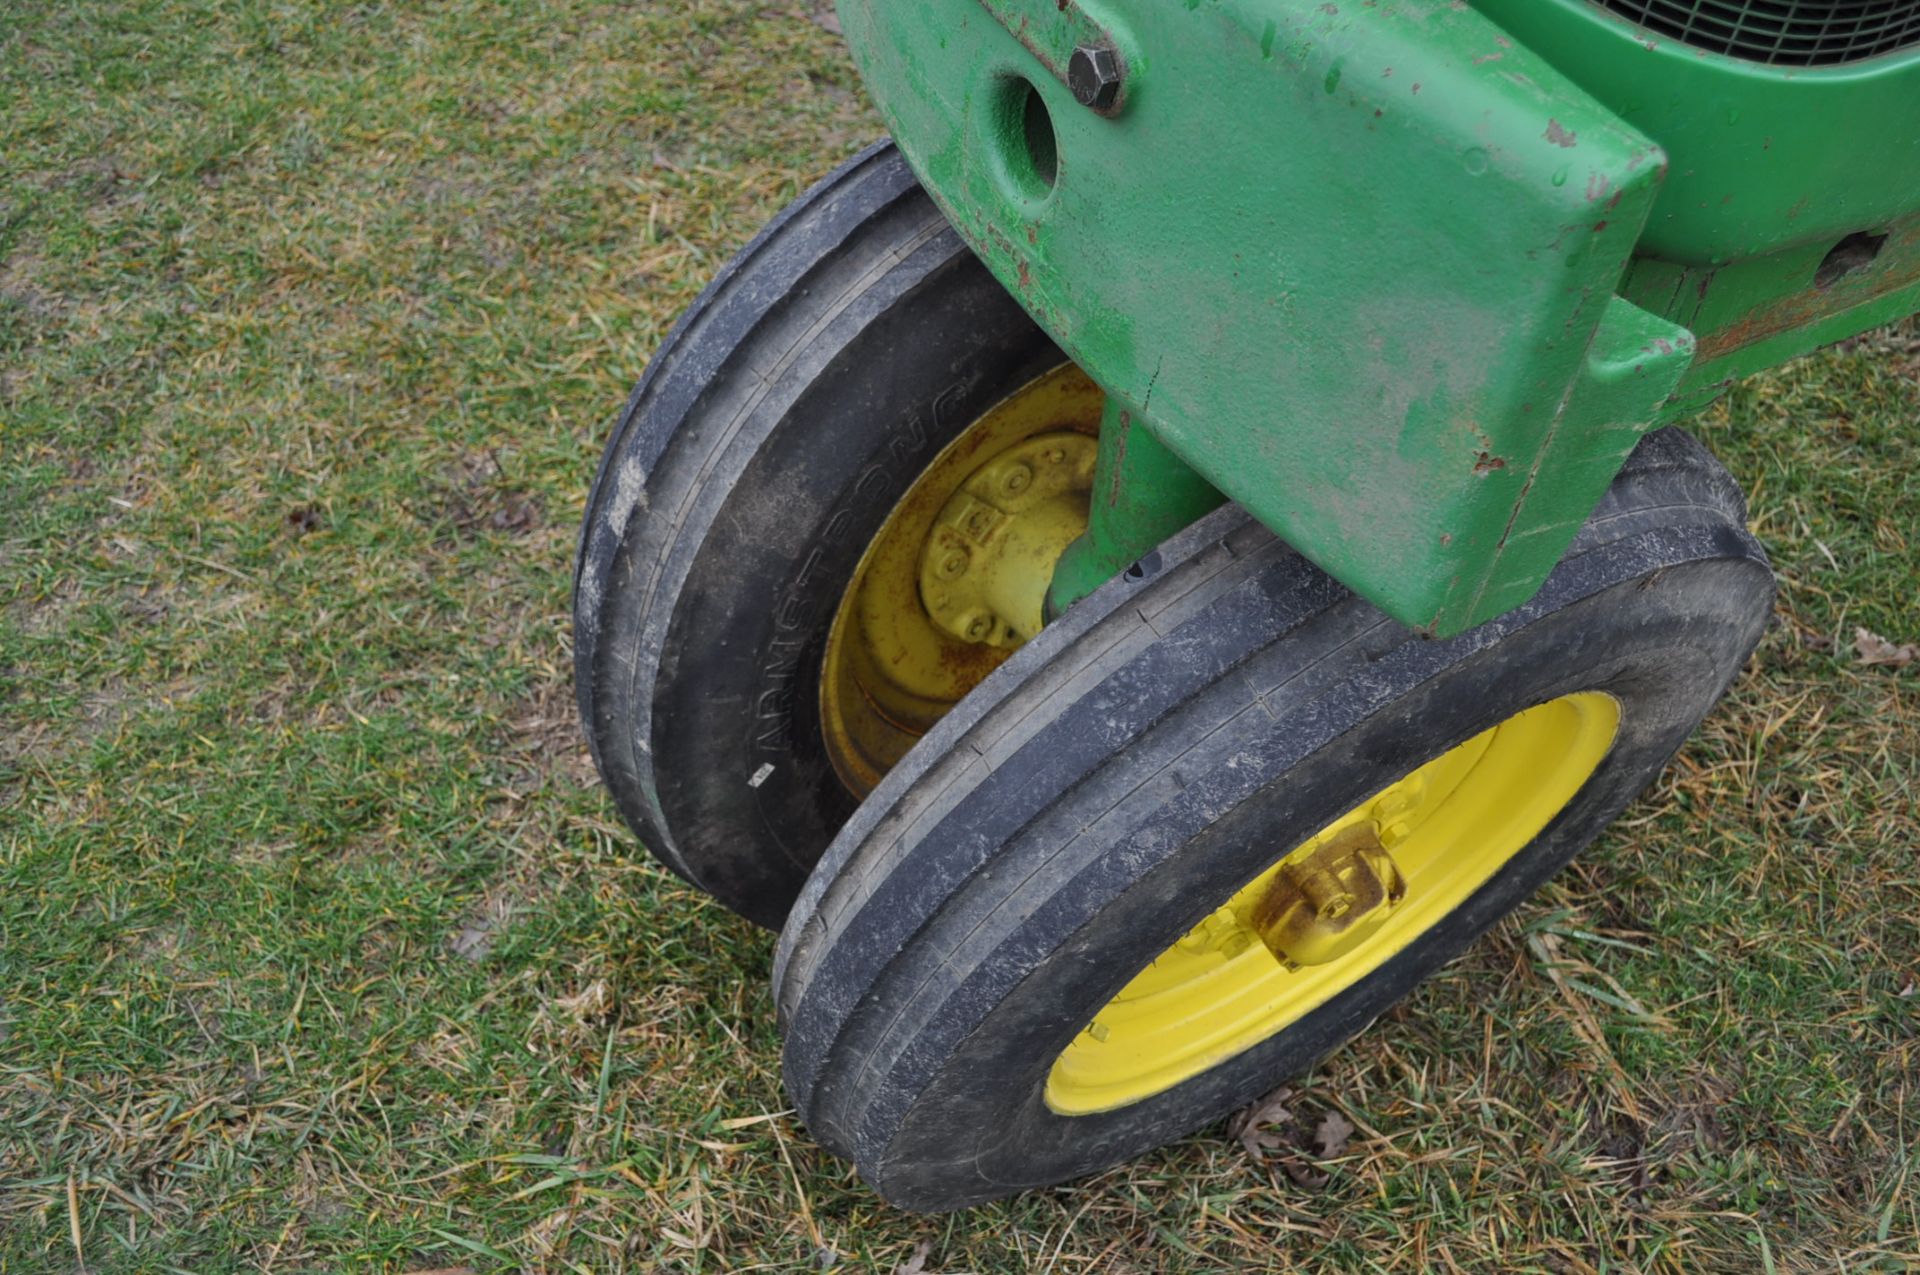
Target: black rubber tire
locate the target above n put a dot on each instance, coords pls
(1119, 777)
(782, 418)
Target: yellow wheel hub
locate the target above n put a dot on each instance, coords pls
(1334, 909)
(956, 577)
(985, 567)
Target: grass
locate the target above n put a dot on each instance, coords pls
(320, 948)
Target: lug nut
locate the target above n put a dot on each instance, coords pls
(1016, 479)
(1329, 900)
(953, 566)
(1093, 73)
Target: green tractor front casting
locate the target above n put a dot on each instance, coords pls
(1408, 281)
(1140, 569)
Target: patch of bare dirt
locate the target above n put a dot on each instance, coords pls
(1692, 1119)
(546, 738)
(476, 499)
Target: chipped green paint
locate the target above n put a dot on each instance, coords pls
(1387, 274)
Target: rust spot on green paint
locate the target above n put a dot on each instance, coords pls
(1561, 136)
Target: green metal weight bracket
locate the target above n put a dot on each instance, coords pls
(1407, 279)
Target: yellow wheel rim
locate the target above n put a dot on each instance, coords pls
(954, 580)
(1334, 909)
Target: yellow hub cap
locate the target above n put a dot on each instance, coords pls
(955, 579)
(1334, 909)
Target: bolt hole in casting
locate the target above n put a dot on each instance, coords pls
(1854, 253)
(1024, 144)
(1028, 145)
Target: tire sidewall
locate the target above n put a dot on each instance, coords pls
(743, 778)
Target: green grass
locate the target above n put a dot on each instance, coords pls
(320, 949)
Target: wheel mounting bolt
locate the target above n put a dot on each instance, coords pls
(979, 627)
(1325, 895)
(1093, 73)
(1016, 479)
(954, 565)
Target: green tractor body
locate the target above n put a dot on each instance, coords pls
(1408, 279)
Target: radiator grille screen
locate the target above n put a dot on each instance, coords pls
(1781, 32)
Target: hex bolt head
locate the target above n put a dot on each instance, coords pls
(979, 627)
(1093, 73)
(954, 565)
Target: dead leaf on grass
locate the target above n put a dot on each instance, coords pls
(517, 513)
(916, 1263)
(1874, 650)
(1331, 1137)
(474, 939)
(1271, 1133)
(1270, 1111)
(1304, 1174)
(1266, 1130)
